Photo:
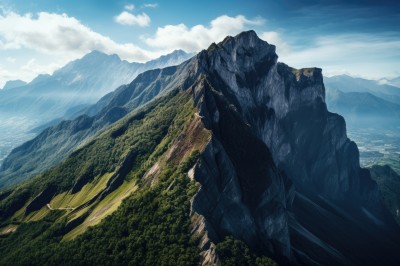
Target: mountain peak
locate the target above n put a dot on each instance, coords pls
(95, 54)
(174, 54)
(246, 35)
(241, 61)
(246, 40)
(14, 84)
(178, 52)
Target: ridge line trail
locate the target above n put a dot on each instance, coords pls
(51, 209)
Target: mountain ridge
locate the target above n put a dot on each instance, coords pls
(347, 83)
(361, 108)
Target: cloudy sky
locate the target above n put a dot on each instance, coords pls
(357, 37)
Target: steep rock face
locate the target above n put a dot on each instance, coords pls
(286, 109)
(242, 193)
(264, 113)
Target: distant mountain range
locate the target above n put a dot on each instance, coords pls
(363, 108)
(56, 142)
(390, 81)
(347, 83)
(28, 108)
(79, 83)
(363, 102)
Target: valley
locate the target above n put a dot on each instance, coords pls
(14, 131)
(377, 146)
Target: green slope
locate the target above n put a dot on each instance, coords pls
(389, 184)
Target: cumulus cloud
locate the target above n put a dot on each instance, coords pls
(33, 68)
(364, 55)
(5, 76)
(199, 37)
(273, 37)
(61, 35)
(129, 7)
(151, 5)
(126, 18)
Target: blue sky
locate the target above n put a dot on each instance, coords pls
(357, 37)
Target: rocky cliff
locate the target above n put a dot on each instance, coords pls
(280, 172)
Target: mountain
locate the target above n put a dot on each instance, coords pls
(14, 84)
(391, 81)
(372, 113)
(56, 142)
(363, 109)
(236, 159)
(25, 111)
(346, 83)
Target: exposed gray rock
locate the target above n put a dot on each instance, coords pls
(242, 193)
(263, 113)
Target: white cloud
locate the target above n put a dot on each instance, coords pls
(151, 5)
(32, 68)
(199, 37)
(5, 76)
(126, 18)
(363, 55)
(11, 60)
(62, 36)
(129, 7)
(273, 37)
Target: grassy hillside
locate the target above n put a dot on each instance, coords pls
(92, 183)
(389, 185)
